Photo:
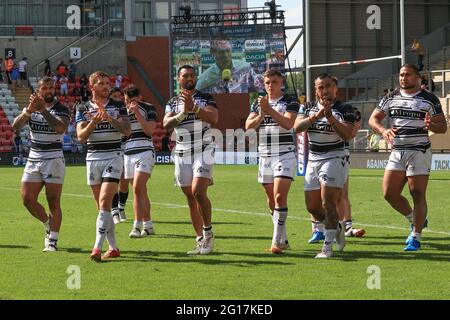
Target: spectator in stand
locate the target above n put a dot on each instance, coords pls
(47, 68)
(427, 84)
(23, 71)
(76, 92)
(1, 70)
(18, 143)
(61, 69)
(55, 80)
(165, 143)
(9, 64)
(64, 86)
(118, 83)
(84, 93)
(419, 50)
(84, 80)
(15, 75)
(72, 71)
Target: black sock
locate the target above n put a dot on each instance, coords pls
(115, 202)
(123, 196)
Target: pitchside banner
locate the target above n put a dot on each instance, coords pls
(229, 59)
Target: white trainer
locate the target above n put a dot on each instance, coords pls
(122, 215)
(197, 248)
(207, 245)
(357, 233)
(135, 233)
(327, 251)
(340, 236)
(116, 218)
(50, 247)
(147, 232)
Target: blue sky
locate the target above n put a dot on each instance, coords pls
(293, 14)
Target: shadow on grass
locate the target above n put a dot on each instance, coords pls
(354, 254)
(189, 223)
(264, 258)
(400, 240)
(216, 258)
(181, 236)
(13, 246)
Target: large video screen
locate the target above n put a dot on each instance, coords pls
(229, 59)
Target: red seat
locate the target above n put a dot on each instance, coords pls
(24, 30)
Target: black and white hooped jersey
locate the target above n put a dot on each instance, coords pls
(324, 142)
(407, 113)
(192, 134)
(105, 141)
(139, 141)
(45, 142)
(274, 140)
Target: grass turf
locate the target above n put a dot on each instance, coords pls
(157, 267)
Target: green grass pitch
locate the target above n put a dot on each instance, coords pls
(157, 267)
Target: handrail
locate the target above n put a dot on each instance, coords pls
(69, 45)
(96, 50)
(137, 66)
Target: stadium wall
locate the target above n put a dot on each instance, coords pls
(109, 59)
(35, 50)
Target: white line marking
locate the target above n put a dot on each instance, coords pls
(262, 214)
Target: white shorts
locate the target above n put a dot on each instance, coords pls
(188, 168)
(330, 173)
(99, 171)
(347, 165)
(414, 162)
(283, 166)
(48, 171)
(138, 162)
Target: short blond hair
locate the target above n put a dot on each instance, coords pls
(94, 77)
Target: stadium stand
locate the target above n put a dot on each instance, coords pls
(11, 106)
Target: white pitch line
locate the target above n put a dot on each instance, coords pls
(174, 205)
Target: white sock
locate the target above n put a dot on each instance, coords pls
(198, 238)
(274, 218)
(207, 232)
(53, 235)
(280, 226)
(110, 233)
(417, 235)
(410, 217)
(330, 235)
(317, 226)
(148, 224)
(102, 226)
(137, 224)
(348, 224)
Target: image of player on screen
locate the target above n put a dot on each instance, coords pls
(228, 75)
